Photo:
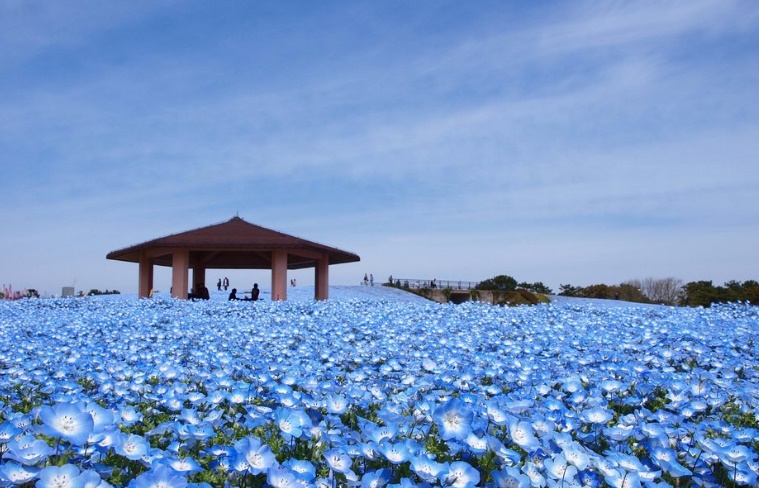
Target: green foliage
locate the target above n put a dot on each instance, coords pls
(657, 399)
(498, 283)
(94, 292)
(537, 287)
(629, 293)
(570, 290)
(597, 291)
(447, 294)
(704, 293)
(514, 298)
(734, 415)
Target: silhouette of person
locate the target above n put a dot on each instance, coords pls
(201, 292)
(218, 285)
(254, 292)
(233, 294)
(205, 295)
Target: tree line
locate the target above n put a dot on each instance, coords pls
(669, 291)
(665, 291)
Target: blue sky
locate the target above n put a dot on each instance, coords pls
(562, 142)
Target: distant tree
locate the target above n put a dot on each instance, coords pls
(699, 293)
(630, 292)
(752, 293)
(596, 291)
(537, 287)
(570, 291)
(498, 283)
(663, 290)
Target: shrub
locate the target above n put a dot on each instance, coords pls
(704, 293)
(498, 283)
(537, 287)
(570, 290)
(596, 291)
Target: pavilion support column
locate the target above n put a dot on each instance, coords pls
(180, 265)
(145, 285)
(199, 276)
(321, 278)
(279, 274)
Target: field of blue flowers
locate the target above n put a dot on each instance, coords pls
(105, 391)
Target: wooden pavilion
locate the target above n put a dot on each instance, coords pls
(234, 244)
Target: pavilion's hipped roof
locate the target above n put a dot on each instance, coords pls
(234, 244)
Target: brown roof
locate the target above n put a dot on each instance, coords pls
(234, 244)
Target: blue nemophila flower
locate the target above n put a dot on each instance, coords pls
(462, 475)
(129, 415)
(559, 469)
(743, 476)
(101, 417)
(131, 446)
(596, 415)
(620, 478)
(543, 427)
(257, 456)
(396, 453)
(510, 477)
(337, 404)
(66, 421)
(576, 455)
(589, 479)
(185, 465)
(454, 419)
(427, 468)
(735, 454)
(497, 415)
(8, 430)
(66, 476)
(523, 435)
(338, 460)
(666, 459)
(618, 433)
(200, 432)
(477, 445)
(508, 456)
(302, 469)
(16, 473)
(387, 431)
(160, 477)
(534, 473)
(91, 479)
(376, 479)
(292, 422)
(28, 450)
(281, 477)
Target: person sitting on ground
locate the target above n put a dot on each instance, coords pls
(233, 295)
(254, 292)
(202, 293)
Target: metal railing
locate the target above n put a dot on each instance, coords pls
(435, 283)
